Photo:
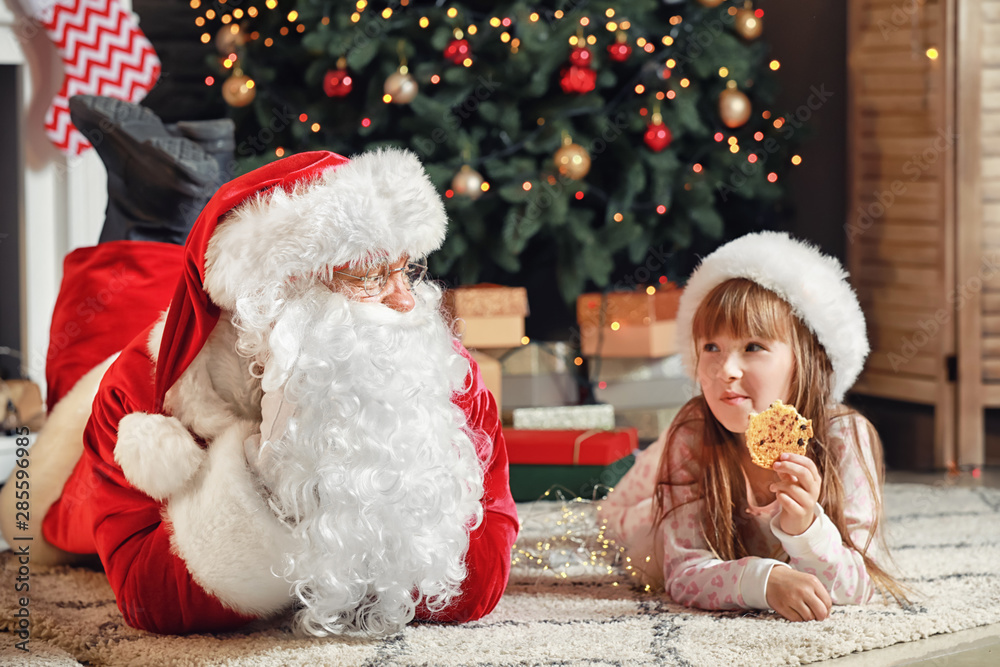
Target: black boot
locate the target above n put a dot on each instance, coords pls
(157, 183)
(216, 137)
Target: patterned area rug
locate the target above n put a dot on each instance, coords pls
(567, 610)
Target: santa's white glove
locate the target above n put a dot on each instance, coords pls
(275, 412)
(283, 342)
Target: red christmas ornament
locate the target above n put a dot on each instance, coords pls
(657, 136)
(581, 57)
(574, 79)
(457, 51)
(619, 52)
(337, 83)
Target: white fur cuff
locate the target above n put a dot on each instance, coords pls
(156, 453)
(231, 542)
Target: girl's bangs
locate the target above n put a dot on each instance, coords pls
(741, 308)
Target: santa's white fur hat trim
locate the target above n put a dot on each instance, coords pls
(813, 284)
(380, 204)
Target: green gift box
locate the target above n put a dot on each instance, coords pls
(567, 463)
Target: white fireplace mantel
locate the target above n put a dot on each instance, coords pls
(62, 200)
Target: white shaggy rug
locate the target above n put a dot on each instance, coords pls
(946, 542)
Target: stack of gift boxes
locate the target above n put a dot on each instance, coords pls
(567, 452)
(555, 445)
(538, 375)
(489, 319)
(630, 341)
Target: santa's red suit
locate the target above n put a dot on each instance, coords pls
(110, 297)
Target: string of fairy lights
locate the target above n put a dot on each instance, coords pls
(571, 160)
(562, 538)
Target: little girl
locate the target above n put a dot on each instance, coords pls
(764, 317)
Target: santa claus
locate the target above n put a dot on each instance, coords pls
(298, 430)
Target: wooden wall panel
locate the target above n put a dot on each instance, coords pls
(924, 214)
(878, 297)
(880, 251)
(991, 370)
(976, 40)
(991, 345)
(901, 254)
(989, 147)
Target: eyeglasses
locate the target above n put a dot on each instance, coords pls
(375, 280)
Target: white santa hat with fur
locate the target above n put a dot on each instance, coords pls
(813, 284)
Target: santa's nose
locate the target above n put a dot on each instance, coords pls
(397, 294)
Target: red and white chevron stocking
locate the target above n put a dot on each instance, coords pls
(103, 52)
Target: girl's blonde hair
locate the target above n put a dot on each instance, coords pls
(743, 309)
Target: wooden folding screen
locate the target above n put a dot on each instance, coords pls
(923, 221)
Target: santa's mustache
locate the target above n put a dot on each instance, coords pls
(322, 330)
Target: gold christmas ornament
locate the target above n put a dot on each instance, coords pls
(572, 160)
(238, 90)
(229, 38)
(747, 24)
(468, 183)
(401, 87)
(711, 3)
(734, 107)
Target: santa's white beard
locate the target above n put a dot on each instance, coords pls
(376, 472)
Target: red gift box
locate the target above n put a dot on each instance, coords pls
(573, 447)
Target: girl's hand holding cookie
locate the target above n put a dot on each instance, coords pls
(797, 491)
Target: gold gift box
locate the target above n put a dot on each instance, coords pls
(637, 307)
(635, 324)
(488, 316)
(487, 300)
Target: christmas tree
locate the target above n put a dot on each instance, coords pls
(572, 134)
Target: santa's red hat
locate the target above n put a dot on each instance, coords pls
(319, 206)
